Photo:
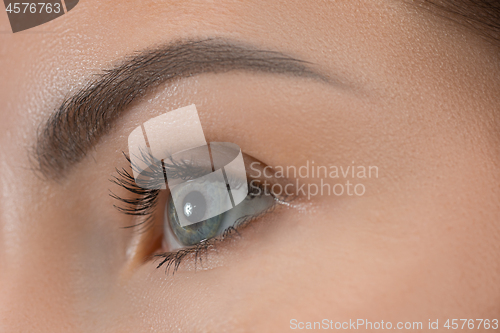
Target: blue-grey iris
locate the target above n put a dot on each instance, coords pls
(193, 233)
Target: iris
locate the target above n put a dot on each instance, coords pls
(193, 233)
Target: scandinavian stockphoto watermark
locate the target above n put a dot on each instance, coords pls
(310, 179)
(371, 325)
(358, 324)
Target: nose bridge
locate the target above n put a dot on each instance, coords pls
(57, 274)
(30, 303)
(60, 262)
(34, 290)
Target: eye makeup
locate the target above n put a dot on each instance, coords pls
(179, 242)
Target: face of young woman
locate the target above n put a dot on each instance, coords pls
(381, 86)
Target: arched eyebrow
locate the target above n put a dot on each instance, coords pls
(84, 117)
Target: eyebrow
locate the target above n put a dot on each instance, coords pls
(85, 116)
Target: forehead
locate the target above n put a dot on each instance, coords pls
(44, 64)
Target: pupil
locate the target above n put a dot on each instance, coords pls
(194, 207)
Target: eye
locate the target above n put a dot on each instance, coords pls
(177, 236)
(207, 185)
(186, 214)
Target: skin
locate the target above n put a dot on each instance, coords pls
(419, 99)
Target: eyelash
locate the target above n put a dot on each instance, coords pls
(145, 202)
